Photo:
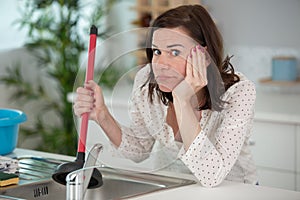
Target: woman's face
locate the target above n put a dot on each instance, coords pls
(171, 47)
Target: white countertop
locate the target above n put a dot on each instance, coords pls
(276, 107)
(227, 190)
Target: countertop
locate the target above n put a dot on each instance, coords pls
(227, 190)
(277, 107)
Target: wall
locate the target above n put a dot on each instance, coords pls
(255, 31)
(272, 23)
(11, 36)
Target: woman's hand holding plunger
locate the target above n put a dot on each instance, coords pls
(90, 100)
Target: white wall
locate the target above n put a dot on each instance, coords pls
(10, 36)
(272, 23)
(266, 23)
(256, 30)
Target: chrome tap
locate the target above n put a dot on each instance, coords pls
(78, 181)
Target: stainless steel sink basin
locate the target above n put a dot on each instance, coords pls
(36, 182)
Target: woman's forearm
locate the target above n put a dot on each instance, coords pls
(188, 123)
(110, 127)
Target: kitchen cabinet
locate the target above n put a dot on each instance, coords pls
(276, 178)
(274, 145)
(275, 148)
(298, 182)
(298, 158)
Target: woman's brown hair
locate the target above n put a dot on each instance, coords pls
(200, 26)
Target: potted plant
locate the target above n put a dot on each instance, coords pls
(55, 39)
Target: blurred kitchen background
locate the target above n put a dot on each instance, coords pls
(254, 31)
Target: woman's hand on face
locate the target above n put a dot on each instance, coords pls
(196, 73)
(89, 100)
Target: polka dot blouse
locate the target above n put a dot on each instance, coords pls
(220, 151)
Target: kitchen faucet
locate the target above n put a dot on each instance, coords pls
(77, 181)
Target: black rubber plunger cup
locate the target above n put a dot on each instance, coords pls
(64, 169)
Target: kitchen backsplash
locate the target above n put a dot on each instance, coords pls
(256, 64)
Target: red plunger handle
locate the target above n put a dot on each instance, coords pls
(89, 75)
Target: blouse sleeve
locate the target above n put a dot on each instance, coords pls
(211, 156)
(136, 141)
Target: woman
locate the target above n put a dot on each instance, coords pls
(192, 97)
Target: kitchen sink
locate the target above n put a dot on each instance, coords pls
(36, 182)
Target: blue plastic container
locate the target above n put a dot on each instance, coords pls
(284, 69)
(9, 129)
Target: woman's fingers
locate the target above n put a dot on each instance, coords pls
(93, 86)
(90, 100)
(83, 104)
(81, 110)
(202, 65)
(196, 68)
(195, 61)
(98, 95)
(189, 66)
(83, 90)
(84, 101)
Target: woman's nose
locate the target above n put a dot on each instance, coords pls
(163, 61)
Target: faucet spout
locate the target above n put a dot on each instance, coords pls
(78, 181)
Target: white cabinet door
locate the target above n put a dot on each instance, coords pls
(298, 158)
(298, 182)
(298, 150)
(278, 179)
(274, 145)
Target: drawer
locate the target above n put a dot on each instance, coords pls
(274, 145)
(278, 179)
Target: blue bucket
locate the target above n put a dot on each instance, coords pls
(9, 129)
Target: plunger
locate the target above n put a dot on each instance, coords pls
(64, 169)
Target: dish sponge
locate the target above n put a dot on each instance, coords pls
(8, 179)
(9, 165)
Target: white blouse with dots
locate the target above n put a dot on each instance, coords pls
(220, 151)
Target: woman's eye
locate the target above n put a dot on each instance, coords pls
(156, 52)
(175, 52)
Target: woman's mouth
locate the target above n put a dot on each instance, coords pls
(167, 83)
(168, 78)
(163, 78)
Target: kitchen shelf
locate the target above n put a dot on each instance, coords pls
(269, 81)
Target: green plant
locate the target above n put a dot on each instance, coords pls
(55, 39)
